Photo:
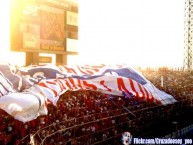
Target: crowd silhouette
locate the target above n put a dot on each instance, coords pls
(87, 117)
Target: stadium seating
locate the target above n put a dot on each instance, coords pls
(88, 117)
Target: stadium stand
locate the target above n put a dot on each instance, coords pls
(86, 117)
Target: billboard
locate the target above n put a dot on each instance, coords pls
(52, 28)
(43, 26)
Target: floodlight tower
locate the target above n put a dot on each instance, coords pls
(188, 35)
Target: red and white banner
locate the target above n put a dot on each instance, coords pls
(50, 82)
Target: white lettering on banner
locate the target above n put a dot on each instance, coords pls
(55, 81)
(105, 84)
(88, 69)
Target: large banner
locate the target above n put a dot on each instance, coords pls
(45, 82)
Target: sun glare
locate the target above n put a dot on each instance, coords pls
(6, 56)
(5, 30)
(137, 33)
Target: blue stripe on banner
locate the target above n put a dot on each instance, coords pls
(124, 72)
(47, 73)
(1, 74)
(128, 73)
(4, 87)
(127, 94)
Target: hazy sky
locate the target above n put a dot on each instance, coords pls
(142, 32)
(136, 32)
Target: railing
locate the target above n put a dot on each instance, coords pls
(138, 120)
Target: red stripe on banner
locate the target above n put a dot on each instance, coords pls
(121, 85)
(68, 84)
(63, 87)
(158, 102)
(140, 88)
(92, 68)
(150, 98)
(133, 87)
(53, 83)
(92, 86)
(103, 84)
(89, 71)
(42, 84)
(69, 70)
(79, 83)
(146, 93)
(98, 66)
(56, 81)
(81, 70)
(72, 82)
(95, 70)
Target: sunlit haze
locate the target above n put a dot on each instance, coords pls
(139, 33)
(6, 56)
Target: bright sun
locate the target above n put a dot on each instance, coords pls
(6, 56)
(5, 30)
(138, 33)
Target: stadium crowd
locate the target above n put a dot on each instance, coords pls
(86, 117)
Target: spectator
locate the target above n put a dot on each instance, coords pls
(88, 116)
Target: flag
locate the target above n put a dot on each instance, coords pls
(50, 82)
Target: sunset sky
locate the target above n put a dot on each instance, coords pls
(139, 33)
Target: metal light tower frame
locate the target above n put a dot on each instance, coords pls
(188, 35)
